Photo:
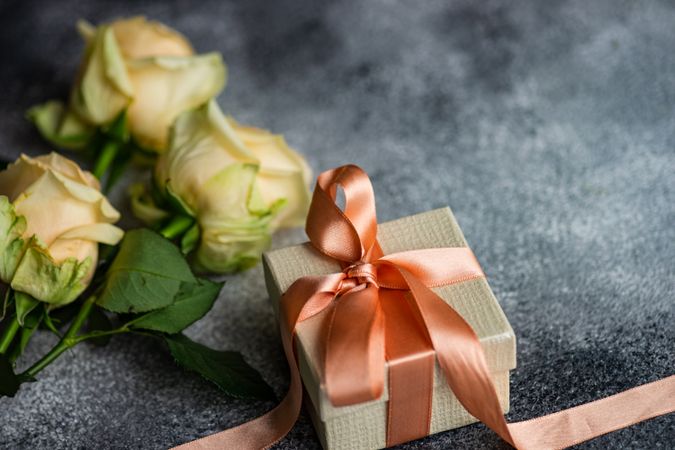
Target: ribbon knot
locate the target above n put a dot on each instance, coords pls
(360, 273)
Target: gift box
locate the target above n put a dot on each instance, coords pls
(365, 425)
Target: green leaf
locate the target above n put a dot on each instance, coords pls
(24, 305)
(146, 274)
(98, 321)
(191, 303)
(9, 381)
(227, 370)
(59, 126)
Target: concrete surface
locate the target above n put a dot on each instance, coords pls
(548, 127)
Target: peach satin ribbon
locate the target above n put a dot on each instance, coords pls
(361, 309)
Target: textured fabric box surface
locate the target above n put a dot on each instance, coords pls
(363, 426)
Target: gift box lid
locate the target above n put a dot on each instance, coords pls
(472, 299)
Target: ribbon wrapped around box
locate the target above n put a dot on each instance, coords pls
(385, 321)
(423, 404)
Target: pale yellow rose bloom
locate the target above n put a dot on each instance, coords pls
(138, 38)
(138, 65)
(239, 183)
(283, 173)
(52, 218)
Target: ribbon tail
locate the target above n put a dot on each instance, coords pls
(581, 423)
(461, 357)
(267, 429)
(355, 360)
(304, 299)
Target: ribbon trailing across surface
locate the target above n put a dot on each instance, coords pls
(381, 308)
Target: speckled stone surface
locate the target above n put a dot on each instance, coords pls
(548, 127)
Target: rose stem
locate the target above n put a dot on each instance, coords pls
(177, 226)
(105, 158)
(9, 333)
(67, 341)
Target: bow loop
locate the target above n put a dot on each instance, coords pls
(350, 235)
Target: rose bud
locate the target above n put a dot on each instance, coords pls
(239, 183)
(142, 67)
(52, 217)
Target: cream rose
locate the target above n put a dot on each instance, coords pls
(52, 217)
(142, 67)
(239, 183)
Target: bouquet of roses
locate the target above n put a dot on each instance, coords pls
(218, 191)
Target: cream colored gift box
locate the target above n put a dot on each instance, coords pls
(364, 426)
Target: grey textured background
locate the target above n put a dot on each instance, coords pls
(547, 126)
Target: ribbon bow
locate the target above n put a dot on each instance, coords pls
(359, 304)
(356, 341)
